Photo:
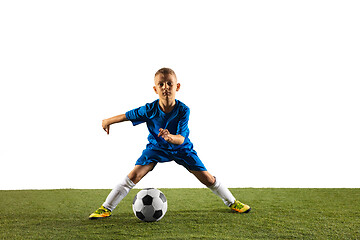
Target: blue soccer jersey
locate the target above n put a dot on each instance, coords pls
(176, 122)
(158, 150)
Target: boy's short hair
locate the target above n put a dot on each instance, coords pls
(165, 71)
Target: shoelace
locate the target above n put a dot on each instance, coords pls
(99, 211)
(238, 205)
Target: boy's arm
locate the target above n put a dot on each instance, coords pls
(170, 138)
(107, 122)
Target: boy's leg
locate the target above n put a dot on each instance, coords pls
(118, 193)
(140, 171)
(220, 190)
(215, 186)
(121, 190)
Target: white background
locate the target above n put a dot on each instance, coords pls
(273, 88)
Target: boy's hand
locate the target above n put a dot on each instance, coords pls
(107, 122)
(165, 134)
(170, 138)
(106, 126)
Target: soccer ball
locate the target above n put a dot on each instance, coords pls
(150, 205)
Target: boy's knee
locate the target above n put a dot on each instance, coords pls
(210, 181)
(134, 178)
(205, 177)
(139, 172)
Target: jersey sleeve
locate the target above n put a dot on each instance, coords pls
(183, 128)
(138, 115)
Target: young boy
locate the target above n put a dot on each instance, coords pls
(167, 121)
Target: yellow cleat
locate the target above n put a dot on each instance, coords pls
(100, 213)
(239, 207)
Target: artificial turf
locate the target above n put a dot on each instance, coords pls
(192, 213)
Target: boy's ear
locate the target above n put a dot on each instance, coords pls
(155, 90)
(178, 87)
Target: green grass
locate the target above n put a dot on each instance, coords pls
(192, 213)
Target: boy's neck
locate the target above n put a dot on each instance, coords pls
(167, 105)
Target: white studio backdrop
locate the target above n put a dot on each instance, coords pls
(273, 88)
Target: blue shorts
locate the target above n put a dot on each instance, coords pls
(187, 158)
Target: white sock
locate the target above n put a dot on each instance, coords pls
(118, 193)
(223, 192)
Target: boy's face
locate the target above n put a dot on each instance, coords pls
(166, 86)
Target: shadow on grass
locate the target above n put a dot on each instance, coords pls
(179, 216)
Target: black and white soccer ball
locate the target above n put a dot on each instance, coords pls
(150, 205)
